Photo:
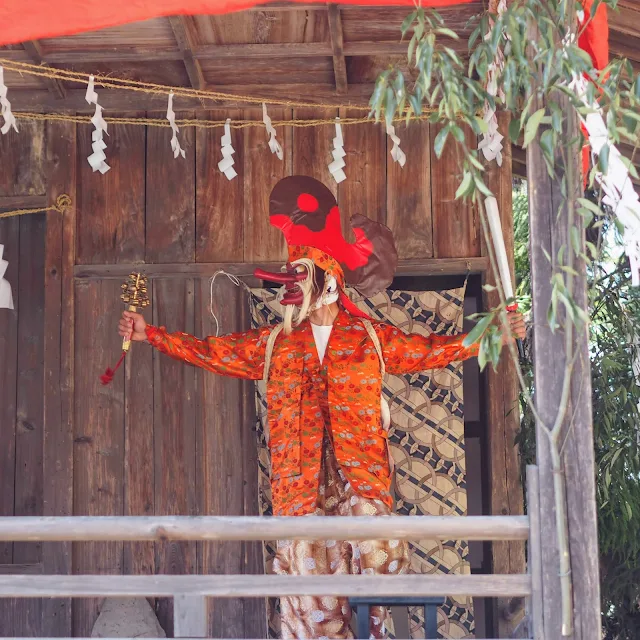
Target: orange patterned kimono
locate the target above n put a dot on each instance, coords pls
(328, 446)
(349, 381)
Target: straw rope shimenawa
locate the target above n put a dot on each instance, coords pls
(206, 124)
(63, 202)
(151, 88)
(201, 94)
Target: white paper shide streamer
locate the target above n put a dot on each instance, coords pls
(616, 184)
(226, 164)
(495, 225)
(5, 106)
(397, 154)
(97, 159)
(171, 117)
(491, 143)
(336, 167)
(6, 299)
(274, 145)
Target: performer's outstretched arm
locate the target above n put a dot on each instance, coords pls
(239, 355)
(410, 353)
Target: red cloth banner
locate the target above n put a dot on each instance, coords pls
(594, 39)
(594, 34)
(22, 20)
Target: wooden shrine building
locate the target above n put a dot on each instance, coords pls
(163, 438)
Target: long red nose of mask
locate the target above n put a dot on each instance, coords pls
(290, 279)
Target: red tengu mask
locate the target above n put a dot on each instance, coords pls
(307, 213)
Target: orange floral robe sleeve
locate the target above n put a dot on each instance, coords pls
(410, 353)
(238, 355)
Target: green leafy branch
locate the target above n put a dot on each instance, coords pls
(539, 77)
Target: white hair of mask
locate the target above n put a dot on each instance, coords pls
(294, 315)
(329, 295)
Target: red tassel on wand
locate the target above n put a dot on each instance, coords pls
(134, 294)
(107, 376)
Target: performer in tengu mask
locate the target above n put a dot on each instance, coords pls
(323, 367)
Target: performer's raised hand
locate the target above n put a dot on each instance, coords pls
(132, 325)
(517, 326)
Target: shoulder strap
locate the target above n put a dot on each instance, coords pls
(271, 341)
(376, 343)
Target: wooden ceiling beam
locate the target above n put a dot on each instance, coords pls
(337, 46)
(113, 54)
(184, 38)
(214, 52)
(16, 55)
(122, 100)
(300, 50)
(278, 50)
(626, 18)
(34, 49)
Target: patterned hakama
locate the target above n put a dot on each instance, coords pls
(329, 617)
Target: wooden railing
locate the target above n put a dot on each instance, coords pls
(190, 591)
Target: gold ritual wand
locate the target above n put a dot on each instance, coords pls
(135, 295)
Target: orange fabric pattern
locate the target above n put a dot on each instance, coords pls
(349, 381)
(321, 259)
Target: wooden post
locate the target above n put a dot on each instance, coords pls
(549, 226)
(534, 551)
(189, 616)
(59, 361)
(502, 402)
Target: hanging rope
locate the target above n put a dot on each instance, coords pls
(159, 89)
(208, 124)
(63, 202)
(235, 280)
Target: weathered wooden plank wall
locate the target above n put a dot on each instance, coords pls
(21, 362)
(59, 360)
(164, 438)
(99, 447)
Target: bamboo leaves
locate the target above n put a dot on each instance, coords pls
(531, 128)
(478, 331)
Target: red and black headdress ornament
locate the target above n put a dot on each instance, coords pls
(307, 214)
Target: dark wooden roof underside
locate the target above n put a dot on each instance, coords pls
(319, 53)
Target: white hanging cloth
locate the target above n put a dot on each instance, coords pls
(5, 107)
(97, 159)
(338, 164)
(171, 117)
(491, 143)
(6, 299)
(616, 184)
(226, 164)
(274, 145)
(397, 154)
